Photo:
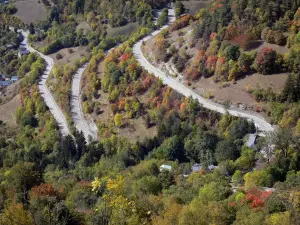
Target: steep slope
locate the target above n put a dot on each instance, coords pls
(137, 51)
(44, 91)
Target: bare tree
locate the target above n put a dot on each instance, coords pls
(266, 146)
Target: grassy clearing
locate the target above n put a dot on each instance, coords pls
(30, 11)
(8, 111)
(126, 30)
(69, 55)
(84, 26)
(193, 7)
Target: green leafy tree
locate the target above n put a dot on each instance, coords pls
(226, 150)
(23, 176)
(170, 149)
(237, 177)
(258, 178)
(179, 8)
(118, 119)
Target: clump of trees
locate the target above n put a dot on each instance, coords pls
(179, 8)
(273, 37)
(163, 18)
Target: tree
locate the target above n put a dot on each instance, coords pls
(265, 61)
(163, 18)
(200, 147)
(214, 191)
(80, 143)
(266, 146)
(169, 215)
(31, 29)
(258, 178)
(237, 177)
(279, 38)
(282, 218)
(148, 185)
(226, 150)
(179, 8)
(283, 139)
(15, 214)
(247, 159)
(287, 92)
(118, 119)
(117, 207)
(23, 176)
(232, 52)
(245, 61)
(170, 149)
(298, 126)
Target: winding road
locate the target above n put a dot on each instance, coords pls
(259, 121)
(44, 91)
(88, 128)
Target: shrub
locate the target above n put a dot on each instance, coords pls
(279, 39)
(58, 56)
(265, 61)
(273, 37)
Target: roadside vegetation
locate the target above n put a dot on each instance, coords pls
(220, 44)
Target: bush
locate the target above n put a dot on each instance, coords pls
(273, 37)
(279, 39)
(58, 56)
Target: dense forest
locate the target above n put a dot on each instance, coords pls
(64, 16)
(9, 44)
(198, 169)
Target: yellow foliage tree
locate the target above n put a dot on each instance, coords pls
(15, 214)
(122, 209)
(279, 219)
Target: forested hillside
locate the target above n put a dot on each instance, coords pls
(198, 166)
(241, 52)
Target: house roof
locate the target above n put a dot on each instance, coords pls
(196, 167)
(212, 167)
(251, 140)
(5, 83)
(24, 52)
(165, 167)
(14, 78)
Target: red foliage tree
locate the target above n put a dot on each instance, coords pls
(42, 190)
(256, 198)
(266, 60)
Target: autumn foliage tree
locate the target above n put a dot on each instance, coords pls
(266, 61)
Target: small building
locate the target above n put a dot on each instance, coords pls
(14, 78)
(5, 83)
(212, 167)
(196, 167)
(23, 52)
(251, 142)
(165, 167)
(22, 48)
